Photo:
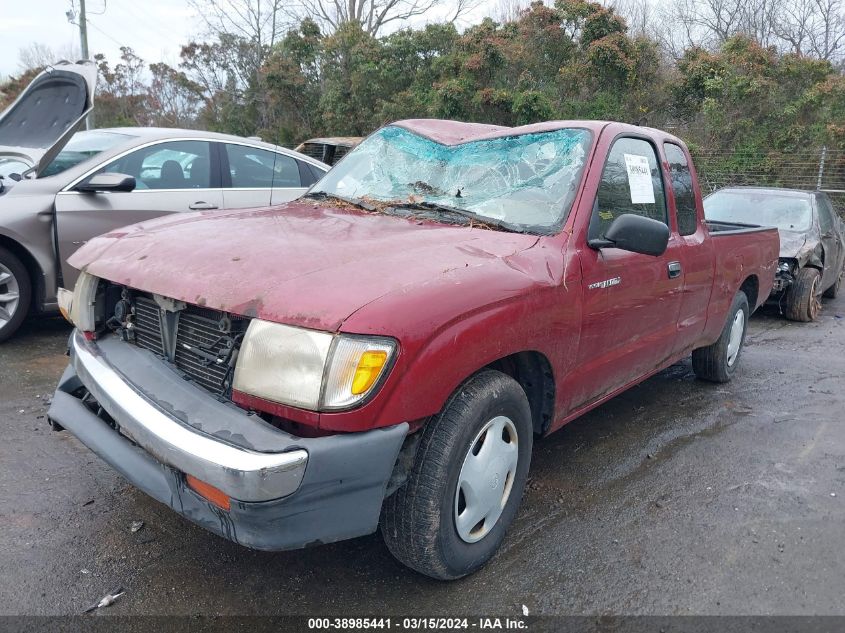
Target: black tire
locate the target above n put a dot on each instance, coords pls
(833, 291)
(419, 520)
(24, 290)
(803, 296)
(713, 363)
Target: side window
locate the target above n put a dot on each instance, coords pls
(681, 177)
(630, 183)
(254, 168)
(171, 165)
(825, 214)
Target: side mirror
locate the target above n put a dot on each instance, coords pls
(107, 182)
(636, 234)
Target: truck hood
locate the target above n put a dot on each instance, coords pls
(48, 112)
(302, 263)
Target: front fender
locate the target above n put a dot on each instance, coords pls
(448, 333)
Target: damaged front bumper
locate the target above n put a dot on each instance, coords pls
(155, 428)
(784, 276)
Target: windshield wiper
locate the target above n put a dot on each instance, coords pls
(324, 195)
(474, 218)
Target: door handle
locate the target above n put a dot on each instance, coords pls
(202, 206)
(674, 269)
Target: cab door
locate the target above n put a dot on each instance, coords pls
(631, 301)
(170, 176)
(697, 259)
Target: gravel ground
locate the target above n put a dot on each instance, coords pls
(677, 497)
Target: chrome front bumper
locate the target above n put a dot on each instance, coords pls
(245, 475)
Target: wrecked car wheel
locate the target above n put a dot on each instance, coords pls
(717, 362)
(466, 485)
(833, 291)
(803, 301)
(15, 293)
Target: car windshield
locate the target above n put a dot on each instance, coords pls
(524, 183)
(81, 147)
(787, 212)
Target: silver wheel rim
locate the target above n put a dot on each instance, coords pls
(10, 294)
(734, 342)
(486, 479)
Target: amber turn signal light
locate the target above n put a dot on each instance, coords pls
(208, 492)
(368, 370)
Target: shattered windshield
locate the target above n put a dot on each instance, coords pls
(787, 212)
(524, 182)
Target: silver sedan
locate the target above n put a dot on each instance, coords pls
(59, 189)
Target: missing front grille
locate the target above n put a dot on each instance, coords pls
(201, 343)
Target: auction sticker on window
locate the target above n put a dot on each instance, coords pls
(639, 179)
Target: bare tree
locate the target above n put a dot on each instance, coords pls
(804, 27)
(641, 16)
(707, 22)
(257, 21)
(375, 15)
(827, 33)
(38, 55)
(509, 10)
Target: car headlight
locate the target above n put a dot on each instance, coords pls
(785, 267)
(309, 369)
(78, 307)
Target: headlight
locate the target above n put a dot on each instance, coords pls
(79, 307)
(785, 267)
(309, 369)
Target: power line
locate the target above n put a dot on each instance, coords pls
(102, 32)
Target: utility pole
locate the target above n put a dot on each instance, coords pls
(83, 29)
(83, 44)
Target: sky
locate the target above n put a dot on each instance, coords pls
(154, 29)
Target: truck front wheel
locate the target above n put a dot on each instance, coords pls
(717, 362)
(467, 481)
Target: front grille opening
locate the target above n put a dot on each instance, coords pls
(147, 322)
(199, 342)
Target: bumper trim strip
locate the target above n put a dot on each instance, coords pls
(242, 474)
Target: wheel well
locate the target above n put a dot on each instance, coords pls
(533, 372)
(36, 276)
(751, 288)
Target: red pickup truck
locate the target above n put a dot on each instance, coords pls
(386, 348)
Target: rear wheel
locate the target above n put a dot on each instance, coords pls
(803, 297)
(466, 485)
(717, 362)
(15, 293)
(833, 291)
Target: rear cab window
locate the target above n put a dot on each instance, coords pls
(631, 182)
